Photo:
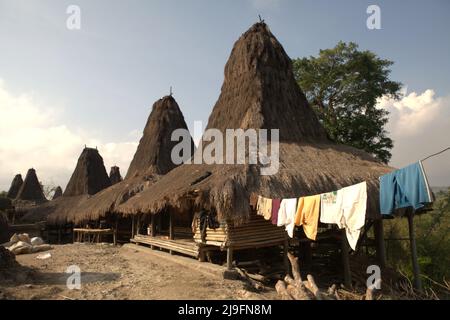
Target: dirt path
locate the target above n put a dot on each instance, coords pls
(117, 273)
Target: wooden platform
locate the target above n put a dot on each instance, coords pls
(185, 246)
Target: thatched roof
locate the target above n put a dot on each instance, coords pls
(153, 154)
(151, 161)
(88, 178)
(114, 175)
(260, 92)
(15, 186)
(31, 189)
(58, 193)
(90, 175)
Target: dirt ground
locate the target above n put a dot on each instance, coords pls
(121, 273)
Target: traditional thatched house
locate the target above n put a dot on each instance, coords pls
(88, 178)
(114, 175)
(31, 189)
(15, 186)
(151, 161)
(259, 92)
(57, 193)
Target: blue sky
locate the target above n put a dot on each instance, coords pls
(97, 84)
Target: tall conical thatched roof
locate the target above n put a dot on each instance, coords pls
(15, 186)
(90, 175)
(260, 91)
(88, 178)
(153, 154)
(58, 193)
(31, 189)
(152, 159)
(114, 175)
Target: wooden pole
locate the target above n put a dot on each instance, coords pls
(285, 256)
(171, 226)
(415, 263)
(138, 225)
(132, 227)
(379, 239)
(229, 258)
(153, 226)
(346, 260)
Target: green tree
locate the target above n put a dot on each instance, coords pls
(343, 85)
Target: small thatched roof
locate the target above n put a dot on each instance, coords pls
(151, 161)
(58, 193)
(31, 189)
(90, 175)
(114, 175)
(88, 178)
(260, 92)
(15, 186)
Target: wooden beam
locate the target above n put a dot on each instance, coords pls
(415, 263)
(345, 248)
(379, 239)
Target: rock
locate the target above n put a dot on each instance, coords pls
(20, 248)
(36, 241)
(14, 238)
(40, 248)
(24, 237)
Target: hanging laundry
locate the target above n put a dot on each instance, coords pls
(354, 206)
(275, 208)
(331, 208)
(407, 187)
(308, 215)
(286, 215)
(264, 207)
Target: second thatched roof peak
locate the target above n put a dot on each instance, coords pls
(260, 91)
(153, 155)
(90, 175)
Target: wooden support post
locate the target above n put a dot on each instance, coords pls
(379, 239)
(73, 236)
(59, 235)
(132, 227)
(171, 227)
(346, 260)
(153, 226)
(415, 263)
(229, 258)
(138, 225)
(285, 256)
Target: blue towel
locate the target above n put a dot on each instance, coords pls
(407, 187)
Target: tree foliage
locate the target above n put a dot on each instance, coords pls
(343, 85)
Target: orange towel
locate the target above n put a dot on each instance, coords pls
(308, 211)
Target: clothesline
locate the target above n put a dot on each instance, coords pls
(436, 154)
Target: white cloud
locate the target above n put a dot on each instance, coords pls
(419, 124)
(31, 135)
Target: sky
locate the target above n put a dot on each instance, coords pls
(61, 89)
